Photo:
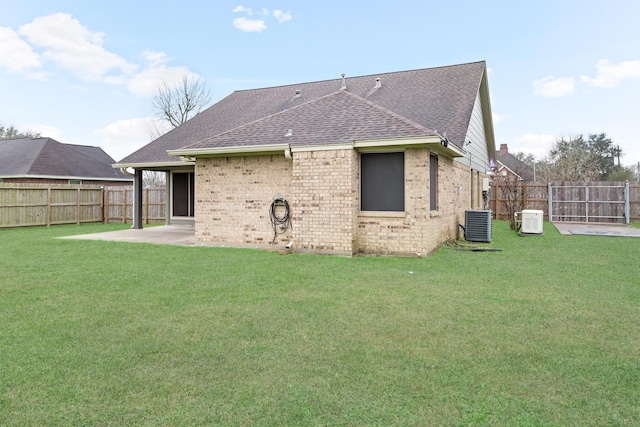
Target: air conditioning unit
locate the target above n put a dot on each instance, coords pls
(532, 221)
(477, 226)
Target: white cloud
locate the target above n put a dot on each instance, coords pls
(554, 87)
(72, 46)
(537, 144)
(249, 25)
(123, 137)
(282, 16)
(43, 130)
(240, 8)
(15, 54)
(609, 75)
(148, 81)
(156, 74)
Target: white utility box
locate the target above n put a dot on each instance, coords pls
(532, 221)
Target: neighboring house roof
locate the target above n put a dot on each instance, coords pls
(392, 105)
(515, 166)
(48, 158)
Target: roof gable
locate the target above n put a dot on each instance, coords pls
(439, 98)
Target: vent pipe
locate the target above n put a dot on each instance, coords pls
(378, 82)
(297, 95)
(344, 83)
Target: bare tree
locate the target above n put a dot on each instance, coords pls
(177, 104)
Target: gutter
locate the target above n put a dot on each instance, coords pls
(435, 143)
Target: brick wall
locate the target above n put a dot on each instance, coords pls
(418, 231)
(233, 196)
(325, 194)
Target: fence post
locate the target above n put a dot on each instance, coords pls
(78, 206)
(48, 206)
(124, 206)
(145, 203)
(550, 199)
(627, 210)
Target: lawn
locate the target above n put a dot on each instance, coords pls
(543, 332)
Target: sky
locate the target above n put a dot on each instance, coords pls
(85, 72)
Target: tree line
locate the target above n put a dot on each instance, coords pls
(579, 158)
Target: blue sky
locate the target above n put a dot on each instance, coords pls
(84, 72)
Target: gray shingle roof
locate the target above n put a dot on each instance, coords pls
(344, 117)
(516, 165)
(24, 157)
(439, 98)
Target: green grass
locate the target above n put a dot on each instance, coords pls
(544, 332)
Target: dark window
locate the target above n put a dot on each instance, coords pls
(382, 182)
(183, 194)
(433, 182)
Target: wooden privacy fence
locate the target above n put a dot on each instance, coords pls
(27, 205)
(23, 205)
(118, 205)
(609, 202)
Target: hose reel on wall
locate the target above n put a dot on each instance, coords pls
(279, 216)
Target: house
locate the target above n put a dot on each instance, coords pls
(511, 167)
(47, 161)
(377, 164)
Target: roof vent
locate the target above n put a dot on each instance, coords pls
(289, 132)
(378, 82)
(344, 83)
(297, 95)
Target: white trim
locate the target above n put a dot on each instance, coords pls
(230, 151)
(322, 147)
(152, 165)
(433, 143)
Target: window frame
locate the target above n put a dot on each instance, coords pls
(433, 182)
(366, 166)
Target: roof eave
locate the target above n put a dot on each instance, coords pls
(435, 143)
(242, 150)
(153, 165)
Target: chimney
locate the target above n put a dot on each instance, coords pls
(503, 149)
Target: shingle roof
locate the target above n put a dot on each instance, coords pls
(516, 165)
(344, 117)
(439, 98)
(24, 157)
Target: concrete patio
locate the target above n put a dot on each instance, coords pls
(611, 230)
(182, 235)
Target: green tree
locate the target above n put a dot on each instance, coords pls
(12, 132)
(622, 173)
(580, 159)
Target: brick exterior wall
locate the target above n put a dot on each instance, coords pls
(233, 195)
(326, 201)
(419, 230)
